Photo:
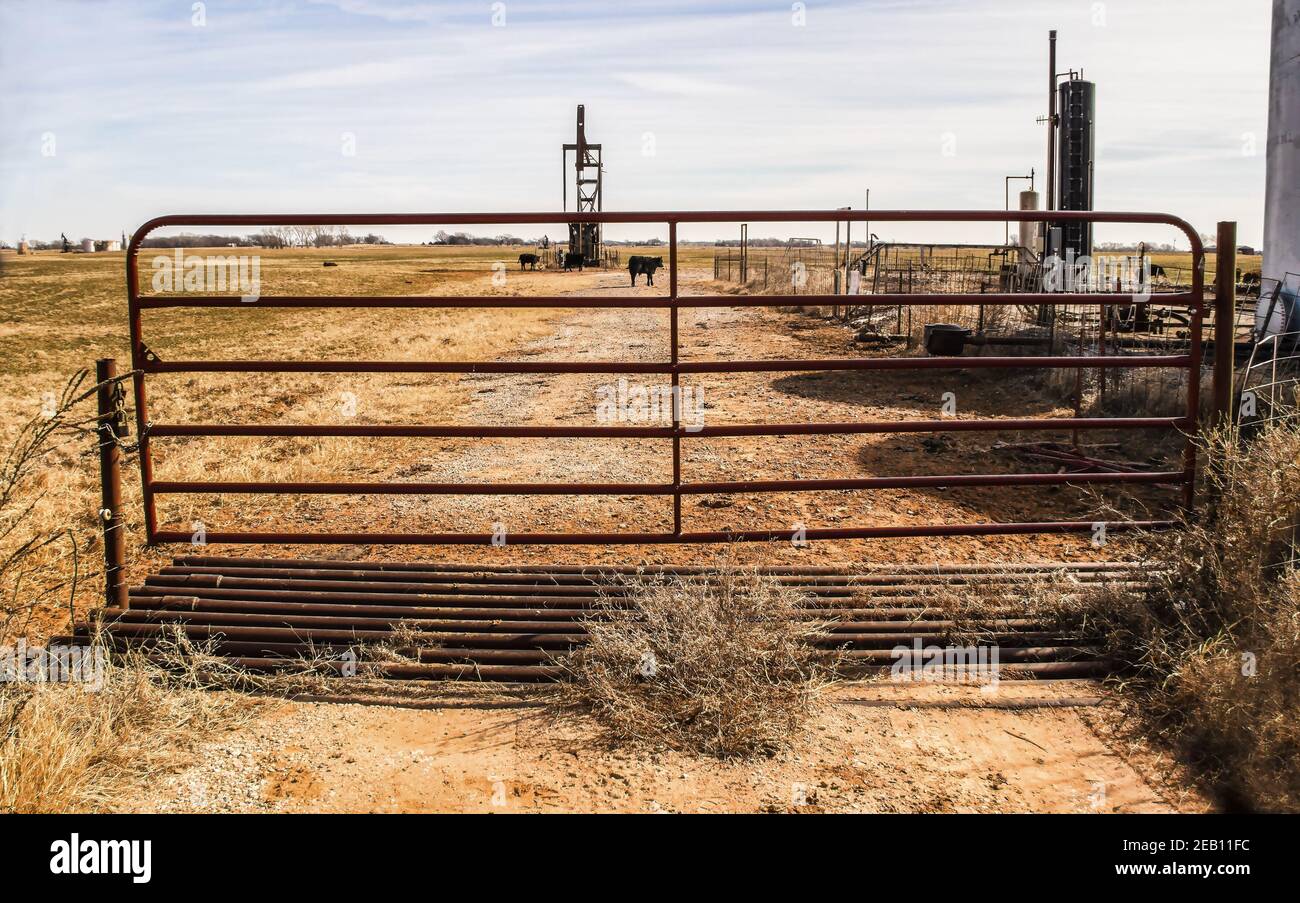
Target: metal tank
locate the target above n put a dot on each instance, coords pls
(1280, 312)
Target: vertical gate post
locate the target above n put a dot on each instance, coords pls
(108, 429)
(1225, 315)
(676, 379)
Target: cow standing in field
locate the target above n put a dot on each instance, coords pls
(573, 260)
(647, 265)
(527, 261)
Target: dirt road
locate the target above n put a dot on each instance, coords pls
(874, 748)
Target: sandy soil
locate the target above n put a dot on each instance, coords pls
(873, 748)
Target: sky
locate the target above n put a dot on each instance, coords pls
(114, 112)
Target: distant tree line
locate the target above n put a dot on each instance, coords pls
(313, 237)
(272, 237)
(1159, 247)
(443, 237)
(38, 245)
(771, 243)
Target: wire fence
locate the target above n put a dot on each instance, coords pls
(553, 257)
(1050, 329)
(1270, 382)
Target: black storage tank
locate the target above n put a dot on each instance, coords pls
(1076, 107)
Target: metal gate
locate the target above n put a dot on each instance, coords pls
(146, 363)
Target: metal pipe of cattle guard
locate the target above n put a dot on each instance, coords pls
(109, 430)
(1225, 315)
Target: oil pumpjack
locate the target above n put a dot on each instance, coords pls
(584, 238)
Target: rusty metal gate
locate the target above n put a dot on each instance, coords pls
(146, 363)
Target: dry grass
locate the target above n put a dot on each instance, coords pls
(77, 748)
(74, 745)
(1210, 640)
(1059, 600)
(720, 667)
(40, 561)
(1216, 647)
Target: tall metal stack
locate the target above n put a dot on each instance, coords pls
(1076, 111)
(584, 238)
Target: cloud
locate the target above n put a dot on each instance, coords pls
(388, 10)
(679, 85)
(353, 76)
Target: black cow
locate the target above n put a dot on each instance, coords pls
(1157, 270)
(647, 265)
(527, 260)
(574, 260)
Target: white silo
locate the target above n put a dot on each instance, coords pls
(1029, 231)
(1282, 196)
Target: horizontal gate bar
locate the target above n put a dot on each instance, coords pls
(412, 488)
(938, 363)
(411, 431)
(947, 425)
(277, 366)
(667, 216)
(931, 481)
(325, 488)
(661, 302)
(806, 364)
(714, 536)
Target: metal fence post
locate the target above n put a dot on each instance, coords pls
(109, 430)
(1225, 316)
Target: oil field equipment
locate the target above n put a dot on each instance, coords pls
(1076, 102)
(1071, 109)
(584, 238)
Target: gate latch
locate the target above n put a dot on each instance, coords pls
(118, 420)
